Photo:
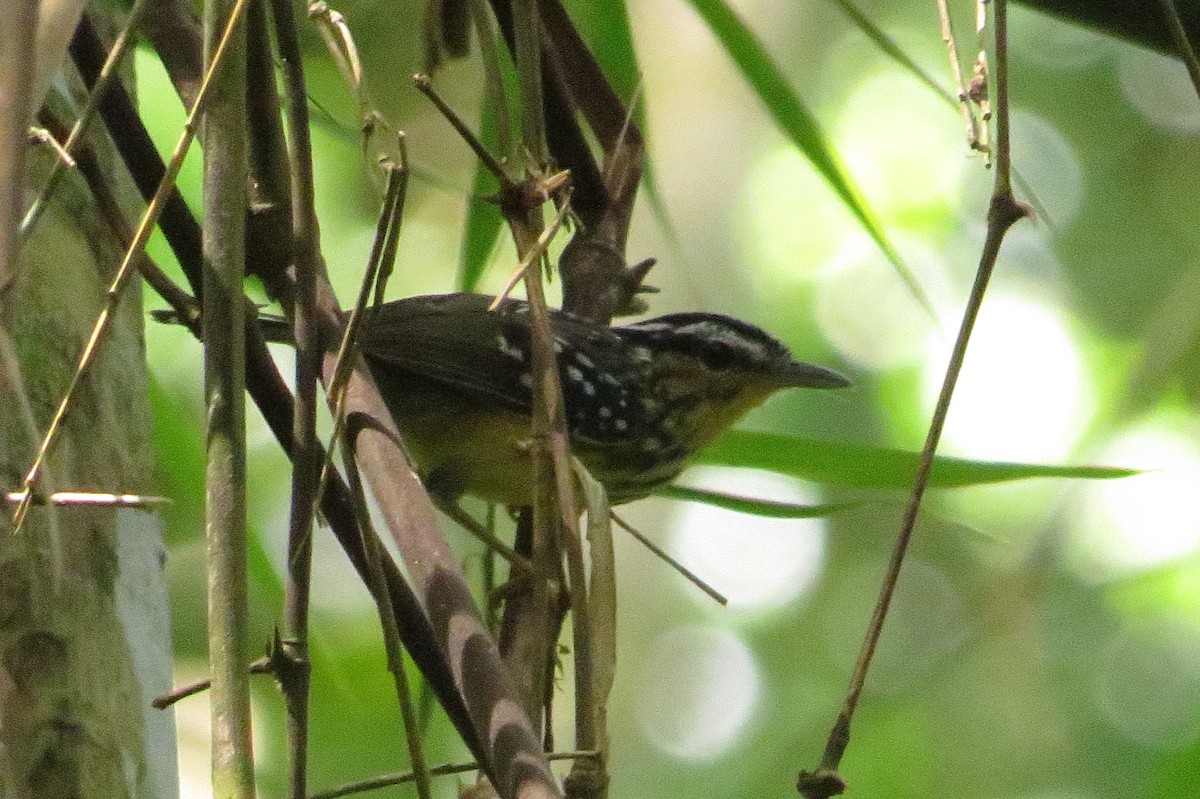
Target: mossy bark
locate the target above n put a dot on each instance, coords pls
(84, 634)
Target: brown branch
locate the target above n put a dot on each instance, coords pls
(1003, 213)
(260, 666)
(306, 461)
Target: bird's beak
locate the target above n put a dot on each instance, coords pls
(807, 375)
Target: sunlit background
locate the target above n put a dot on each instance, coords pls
(1045, 642)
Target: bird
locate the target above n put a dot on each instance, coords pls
(640, 400)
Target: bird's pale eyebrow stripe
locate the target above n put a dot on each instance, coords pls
(721, 334)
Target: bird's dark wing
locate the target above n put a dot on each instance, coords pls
(455, 341)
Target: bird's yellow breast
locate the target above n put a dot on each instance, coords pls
(461, 447)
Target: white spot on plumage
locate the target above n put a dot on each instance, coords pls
(509, 349)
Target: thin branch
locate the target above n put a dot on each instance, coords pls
(382, 250)
(306, 459)
(97, 180)
(391, 631)
(485, 536)
(92, 499)
(665, 557)
(446, 769)
(1004, 212)
(588, 779)
(425, 86)
(260, 666)
(536, 254)
(528, 616)
(340, 42)
(970, 122)
(43, 136)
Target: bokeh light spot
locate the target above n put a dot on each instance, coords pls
(869, 314)
(788, 222)
(1138, 522)
(757, 562)
(1021, 394)
(1159, 89)
(697, 690)
(911, 170)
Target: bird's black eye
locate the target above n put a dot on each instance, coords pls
(717, 355)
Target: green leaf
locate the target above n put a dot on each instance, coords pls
(798, 123)
(756, 507)
(863, 466)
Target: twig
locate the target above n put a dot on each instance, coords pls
(588, 779)
(144, 163)
(45, 137)
(1002, 214)
(519, 562)
(662, 554)
(340, 43)
(535, 254)
(90, 498)
(306, 458)
(383, 251)
(260, 666)
(964, 104)
(528, 616)
(388, 780)
(97, 181)
(425, 86)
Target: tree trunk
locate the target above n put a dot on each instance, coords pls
(84, 627)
